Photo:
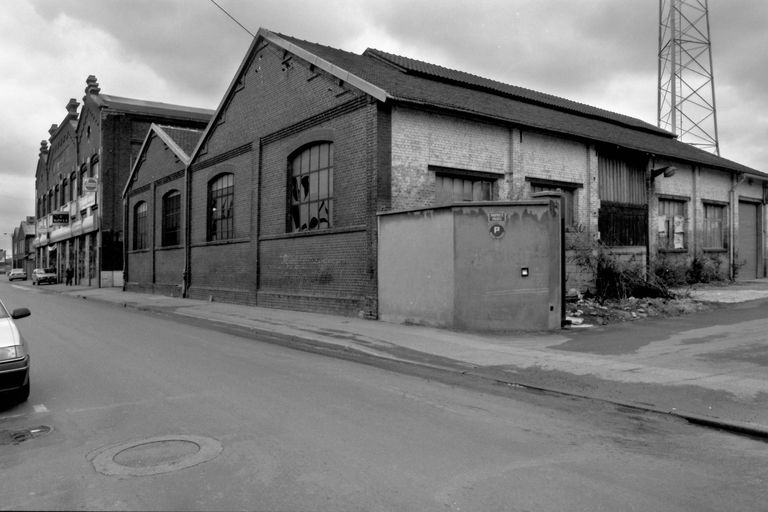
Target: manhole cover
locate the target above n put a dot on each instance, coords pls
(155, 455)
(21, 435)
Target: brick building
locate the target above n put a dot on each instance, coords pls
(311, 143)
(81, 176)
(23, 251)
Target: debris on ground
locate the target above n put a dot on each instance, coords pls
(583, 311)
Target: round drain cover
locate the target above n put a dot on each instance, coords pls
(155, 455)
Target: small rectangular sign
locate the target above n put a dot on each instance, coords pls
(60, 218)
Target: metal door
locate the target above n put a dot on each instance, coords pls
(748, 241)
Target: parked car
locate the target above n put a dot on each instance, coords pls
(44, 275)
(17, 273)
(14, 356)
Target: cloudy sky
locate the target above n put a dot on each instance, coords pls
(599, 52)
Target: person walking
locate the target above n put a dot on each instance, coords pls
(69, 276)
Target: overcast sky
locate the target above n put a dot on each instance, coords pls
(599, 52)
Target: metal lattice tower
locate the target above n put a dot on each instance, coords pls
(686, 93)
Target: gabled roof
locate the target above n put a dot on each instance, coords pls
(392, 78)
(179, 140)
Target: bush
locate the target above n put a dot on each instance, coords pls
(706, 269)
(620, 280)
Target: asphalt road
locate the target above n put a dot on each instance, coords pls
(290, 430)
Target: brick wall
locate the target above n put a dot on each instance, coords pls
(286, 105)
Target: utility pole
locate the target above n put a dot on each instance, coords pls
(686, 89)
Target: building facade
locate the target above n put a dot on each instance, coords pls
(311, 143)
(23, 251)
(81, 176)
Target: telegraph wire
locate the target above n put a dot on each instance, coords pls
(232, 17)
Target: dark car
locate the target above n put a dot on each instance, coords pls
(14, 356)
(44, 275)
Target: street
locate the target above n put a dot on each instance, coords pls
(291, 430)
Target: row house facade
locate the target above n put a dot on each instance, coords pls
(23, 250)
(282, 194)
(80, 176)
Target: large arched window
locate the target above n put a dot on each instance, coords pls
(310, 189)
(221, 219)
(171, 224)
(140, 233)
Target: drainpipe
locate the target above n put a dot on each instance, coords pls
(185, 276)
(125, 240)
(736, 180)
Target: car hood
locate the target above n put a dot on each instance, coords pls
(9, 334)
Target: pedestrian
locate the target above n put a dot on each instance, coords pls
(69, 276)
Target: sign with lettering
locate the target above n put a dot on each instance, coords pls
(90, 184)
(60, 218)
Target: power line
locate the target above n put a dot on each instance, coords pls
(232, 18)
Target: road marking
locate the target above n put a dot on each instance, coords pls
(40, 408)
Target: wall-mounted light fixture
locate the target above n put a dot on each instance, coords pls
(524, 272)
(668, 171)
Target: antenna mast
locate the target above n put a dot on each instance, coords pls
(686, 92)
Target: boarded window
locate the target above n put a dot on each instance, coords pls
(672, 224)
(568, 193)
(623, 217)
(715, 231)
(450, 189)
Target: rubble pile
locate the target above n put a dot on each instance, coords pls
(584, 311)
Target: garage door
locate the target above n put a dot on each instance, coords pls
(748, 238)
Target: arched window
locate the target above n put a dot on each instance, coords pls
(310, 189)
(140, 226)
(221, 219)
(171, 224)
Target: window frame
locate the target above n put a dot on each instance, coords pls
(220, 213)
(711, 224)
(666, 237)
(454, 185)
(170, 230)
(311, 163)
(568, 191)
(140, 227)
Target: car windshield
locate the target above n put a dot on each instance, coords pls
(49, 270)
(3, 312)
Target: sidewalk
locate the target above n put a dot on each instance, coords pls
(707, 375)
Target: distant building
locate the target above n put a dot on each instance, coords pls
(23, 245)
(80, 178)
(282, 194)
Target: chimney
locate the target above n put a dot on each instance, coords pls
(72, 108)
(92, 86)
